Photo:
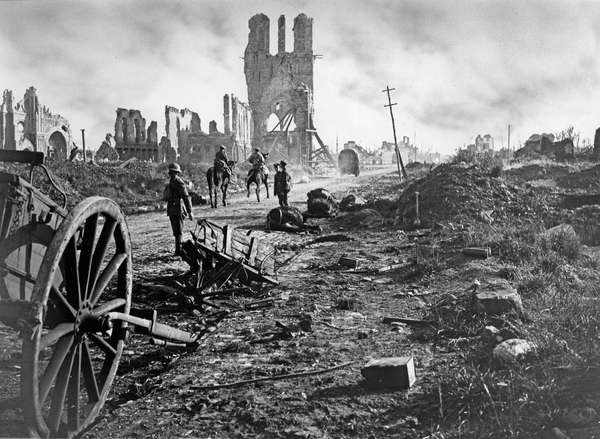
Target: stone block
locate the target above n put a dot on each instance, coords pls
(498, 298)
(513, 351)
(391, 372)
(348, 262)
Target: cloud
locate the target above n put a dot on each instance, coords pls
(459, 68)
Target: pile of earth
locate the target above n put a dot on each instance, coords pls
(462, 194)
(538, 171)
(138, 184)
(587, 179)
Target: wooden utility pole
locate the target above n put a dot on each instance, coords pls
(83, 142)
(399, 162)
(508, 141)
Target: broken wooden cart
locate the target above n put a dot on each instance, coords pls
(55, 267)
(219, 253)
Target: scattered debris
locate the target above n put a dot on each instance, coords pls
(275, 377)
(321, 204)
(391, 372)
(352, 202)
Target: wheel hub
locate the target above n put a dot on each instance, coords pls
(86, 321)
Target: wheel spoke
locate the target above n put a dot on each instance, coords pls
(61, 301)
(73, 392)
(70, 263)
(60, 391)
(103, 344)
(58, 357)
(55, 333)
(100, 251)
(89, 377)
(85, 257)
(109, 306)
(107, 275)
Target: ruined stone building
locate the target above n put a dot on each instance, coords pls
(132, 139)
(280, 88)
(186, 142)
(28, 125)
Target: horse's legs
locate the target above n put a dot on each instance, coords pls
(248, 188)
(258, 191)
(224, 189)
(267, 185)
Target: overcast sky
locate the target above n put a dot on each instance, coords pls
(459, 68)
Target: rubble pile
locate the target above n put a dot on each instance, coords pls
(539, 171)
(458, 193)
(585, 180)
(138, 183)
(133, 185)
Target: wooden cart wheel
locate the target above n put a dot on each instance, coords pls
(70, 356)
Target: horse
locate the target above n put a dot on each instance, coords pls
(258, 177)
(289, 219)
(217, 178)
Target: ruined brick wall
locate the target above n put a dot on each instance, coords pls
(27, 124)
(179, 125)
(187, 143)
(237, 119)
(282, 83)
(132, 138)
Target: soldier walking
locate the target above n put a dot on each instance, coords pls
(178, 204)
(283, 184)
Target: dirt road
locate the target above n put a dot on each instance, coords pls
(151, 233)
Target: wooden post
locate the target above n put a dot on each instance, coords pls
(227, 234)
(83, 142)
(252, 250)
(399, 162)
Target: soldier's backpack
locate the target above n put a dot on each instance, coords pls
(167, 192)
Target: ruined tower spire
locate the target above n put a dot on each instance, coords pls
(281, 34)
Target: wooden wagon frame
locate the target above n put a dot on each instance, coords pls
(55, 267)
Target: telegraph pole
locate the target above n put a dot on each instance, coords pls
(83, 142)
(508, 140)
(399, 162)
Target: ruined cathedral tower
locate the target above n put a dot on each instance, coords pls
(281, 85)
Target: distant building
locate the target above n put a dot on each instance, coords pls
(132, 139)
(484, 143)
(185, 139)
(27, 125)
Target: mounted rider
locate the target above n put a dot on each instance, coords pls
(221, 161)
(258, 161)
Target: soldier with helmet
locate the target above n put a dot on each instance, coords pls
(178, 204)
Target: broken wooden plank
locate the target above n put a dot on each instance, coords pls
(408, 321)
(274, 377)
(252, 251)
(478, 252)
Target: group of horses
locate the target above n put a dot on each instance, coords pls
(218, 179)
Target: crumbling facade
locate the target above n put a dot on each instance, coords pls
(132, 139)
(27, 125)
(281, 85)
(186, 142)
